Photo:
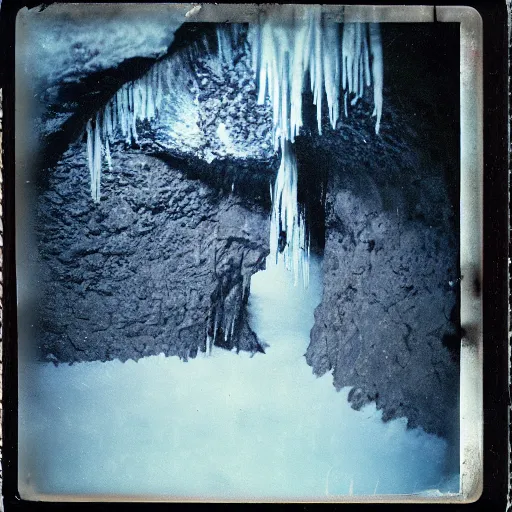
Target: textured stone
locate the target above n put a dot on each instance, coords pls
(165, 251)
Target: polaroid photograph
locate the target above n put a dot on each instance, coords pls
(248, 253)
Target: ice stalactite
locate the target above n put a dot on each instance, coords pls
(298, 43)
(140, 100)
(94, 147)
(227, 40)
(377, 71)
(288, 234)
(289, 45)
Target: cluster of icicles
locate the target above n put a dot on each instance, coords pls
(139, 100)
(288, 46)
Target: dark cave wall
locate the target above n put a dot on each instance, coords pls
(141, 272)
(388, 323)
(386, 313)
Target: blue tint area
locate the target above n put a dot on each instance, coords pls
(223, 426)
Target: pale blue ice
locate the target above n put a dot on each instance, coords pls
(226, 426)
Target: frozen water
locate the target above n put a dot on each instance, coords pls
(223, 426)
(286, 217)
(289, 45)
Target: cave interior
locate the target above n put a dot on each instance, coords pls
(149, 221)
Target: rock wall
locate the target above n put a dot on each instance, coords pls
(64, 46)
(387, 325)
(153, 268)
(386, 320)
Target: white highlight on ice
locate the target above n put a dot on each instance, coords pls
(139, 100)
(286, 218)
(290, 44)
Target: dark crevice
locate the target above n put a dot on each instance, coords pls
(249, 178)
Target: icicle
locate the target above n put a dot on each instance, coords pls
(356, 63)
(133, 117)
(90, 156)
(318, 69)
(97, 158)
(227, 38)
(285, 218)
(108, 156)
(331, 65)
(169, 76)
(151, 85)
(159, 87)
(284, 54)
(377, 71)
(94, 147)
(125, 113)
(348, 50)
(138, 101)
(109, 120)
(232, 329)
(208, 340)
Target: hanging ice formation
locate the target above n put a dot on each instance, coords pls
(289, 45)
(136, 101)
(288, 232)
(142, 100)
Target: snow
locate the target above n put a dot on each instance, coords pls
(225, 426)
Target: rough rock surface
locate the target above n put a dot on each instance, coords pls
(385, 322)
(211, 109)
(388, 323)
(142, 272)
(196, 215)
(64, 45)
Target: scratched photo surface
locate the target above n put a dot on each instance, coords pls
(238, 255)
